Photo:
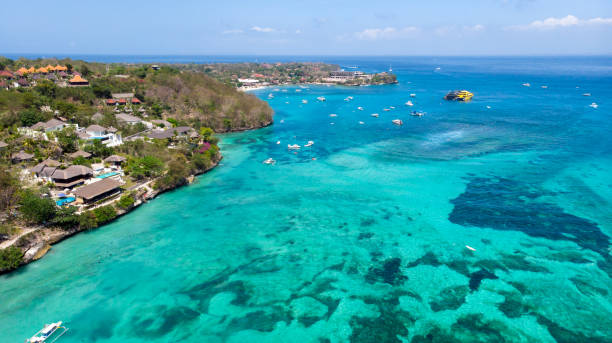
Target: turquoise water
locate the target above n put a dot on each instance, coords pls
(105, 175)
(61, 202)
(362, 237)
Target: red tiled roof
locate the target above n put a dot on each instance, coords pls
(135, 101)
(111, 101)
(122, 101)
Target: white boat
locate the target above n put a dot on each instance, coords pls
(469, 247)
(544, 87)
(298, 90)
(310, 143)
(594, 105)
(412, 95)
(282, 121)
(586, 94)
(361, 123)
(321, 98)
(527, 84)
(417, 113)
(304, 101)
(397, 122)
(360, 108)
(350, 97)
(488, 107)
(333, 115)
(409, 103)
(269, 161)
(437, 68)
(48, 334)
(392, 107)
(374, 115)
(270, 96)
(386, 109)
(293, 147)
(277, 142)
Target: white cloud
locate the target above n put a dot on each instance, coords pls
(262, 29)
(297, 32)
(567, 21)
(459, 31)
(386, 33)
(474, 28)
(232, 32)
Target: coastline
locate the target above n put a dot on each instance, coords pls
(40, 239)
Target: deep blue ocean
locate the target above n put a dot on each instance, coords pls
(484, 221)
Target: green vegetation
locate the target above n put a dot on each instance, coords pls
(104, 214)
(126, 202)
(36, 209)
(10, 258)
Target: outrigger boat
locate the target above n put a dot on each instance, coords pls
(47, 333)
(397, 122)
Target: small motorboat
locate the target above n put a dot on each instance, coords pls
(392, 107)
(321, 98)
(386, 109)
(49, 334)
(586, 94)
(304, 101)
(333, 115)
(361, 123)
(469, 247)
(417, 113)
(544, 87)
(397, 122)
(594, 105)
(413, 95)
(350, 97)
(375, 115)
(298, 90)
(269, 161)
(277, 142)
(409, 103)
(527, 84)
(360, 108)
(293, 147)
(282, 121)
(310, 143)
(270, 96)
(488, 107)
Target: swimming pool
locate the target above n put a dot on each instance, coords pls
(64, 201)
(105, 175)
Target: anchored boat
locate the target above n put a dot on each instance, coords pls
(49, 334)
(462, 95)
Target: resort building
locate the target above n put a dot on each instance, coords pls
(176, 132)
(71, 176)
(77, 80)
(21, 157)
(129, 119)
(108, 136)
(79, 153)
(45, 169)
(97, 190)
(115, 160)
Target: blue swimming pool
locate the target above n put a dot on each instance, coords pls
(64, 201)
(105, 175)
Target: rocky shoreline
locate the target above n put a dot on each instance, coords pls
(38, 240)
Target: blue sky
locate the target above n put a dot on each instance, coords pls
(409, 27)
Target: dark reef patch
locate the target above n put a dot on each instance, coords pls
(512, 306)
(504, 204)
(450, 298)
(563, 335)
(365, 222)
(260, 320)
(391, 323)
(477, 277)
(470, 328)
(161, 321)
(365, 235)
(389, 273)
